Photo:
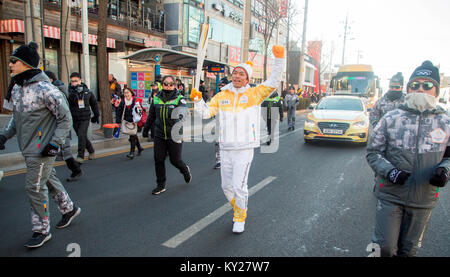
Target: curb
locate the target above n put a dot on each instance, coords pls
(15, 161)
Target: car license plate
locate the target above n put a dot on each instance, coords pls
(333, 131)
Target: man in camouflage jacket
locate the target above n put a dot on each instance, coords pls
(390, 101)
(409, 151)
(41, 120)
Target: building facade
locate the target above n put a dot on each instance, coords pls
(131, 25)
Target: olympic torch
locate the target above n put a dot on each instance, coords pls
(201, 51)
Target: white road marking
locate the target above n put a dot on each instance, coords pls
(206, 221)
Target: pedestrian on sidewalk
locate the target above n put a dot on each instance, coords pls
(162, 114)
(66, 151)
(237, 106)
(41, 120)
(390, 101)
(126, 110)
(409, 151)
(291, 101)
(81, 102)
(273, 101)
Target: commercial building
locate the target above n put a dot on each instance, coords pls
(131, 24)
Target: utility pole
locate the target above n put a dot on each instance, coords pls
(246, 31)
(65, 42)
(85, 34)
(302, 54)
(287, 50)
(345, 38)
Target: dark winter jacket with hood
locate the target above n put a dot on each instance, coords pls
(82, 92)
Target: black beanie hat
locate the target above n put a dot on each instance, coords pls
(397, 79)
(429, 71)
(27, 53)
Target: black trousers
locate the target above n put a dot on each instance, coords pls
(81, 128)
(134, 143)
(161, 148)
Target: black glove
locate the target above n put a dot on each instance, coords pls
(3, 140)
(398, 176)
(440, 177)
(50, 150)
(94, 119)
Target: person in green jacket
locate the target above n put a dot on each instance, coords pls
(168, 108)
(271, 104)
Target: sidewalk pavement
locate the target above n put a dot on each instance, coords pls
(11, 158)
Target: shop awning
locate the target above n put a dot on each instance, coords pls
(170, 57)
(17, 26)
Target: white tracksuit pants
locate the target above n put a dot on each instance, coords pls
(235, 166)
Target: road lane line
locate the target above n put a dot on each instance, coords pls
(209, 219)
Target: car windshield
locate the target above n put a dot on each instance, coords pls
(340, 104)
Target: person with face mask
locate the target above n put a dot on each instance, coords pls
(238, 108)
(409, 151)
(81, 102)
(66, 151)
(390, 101)
(167, 109)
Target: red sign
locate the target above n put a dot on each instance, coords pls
(284, 8)
(315, 51)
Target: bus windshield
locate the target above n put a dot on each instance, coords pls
(356, 83)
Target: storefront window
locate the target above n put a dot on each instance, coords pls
(221, 32)
(51, 55)
(74, 63)
(93, 75)
(193, 18)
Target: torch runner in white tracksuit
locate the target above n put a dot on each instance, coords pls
(237, 107)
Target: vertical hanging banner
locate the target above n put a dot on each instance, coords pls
(201, 51)
(283, 8)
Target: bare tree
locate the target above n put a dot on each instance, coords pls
(289, 21)
(102, 64)
(268, 16)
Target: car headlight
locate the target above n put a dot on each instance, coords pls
(360, 124)
(310, 122)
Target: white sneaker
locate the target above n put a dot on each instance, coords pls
(238, 227)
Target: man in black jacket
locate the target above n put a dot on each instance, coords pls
(66, 151)
(81, 101)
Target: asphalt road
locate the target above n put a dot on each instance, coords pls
(307, 201)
